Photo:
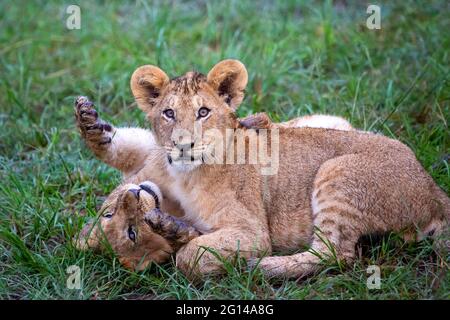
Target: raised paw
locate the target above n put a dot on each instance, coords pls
(91, 127)
(85, 113)
(169, 227)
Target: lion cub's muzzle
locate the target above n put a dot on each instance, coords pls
(187, 152)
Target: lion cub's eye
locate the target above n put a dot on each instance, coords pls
(203, 112)
(107, 215)
(169, 114)
(132, 233)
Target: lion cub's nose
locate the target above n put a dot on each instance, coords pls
(184, 147)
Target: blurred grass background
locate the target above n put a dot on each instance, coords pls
(303, 57)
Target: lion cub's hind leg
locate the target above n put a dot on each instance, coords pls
(337, 227)
(361, 194)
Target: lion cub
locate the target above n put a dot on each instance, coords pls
(330, 186)
(127, 217)
(133, 224)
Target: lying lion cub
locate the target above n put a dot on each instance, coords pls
(135, 227)
(131, 213)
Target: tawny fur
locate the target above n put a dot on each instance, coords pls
(343, 183)
(332, 186)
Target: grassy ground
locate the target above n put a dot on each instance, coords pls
(303, 57)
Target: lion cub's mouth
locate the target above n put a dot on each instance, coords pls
(191, 156)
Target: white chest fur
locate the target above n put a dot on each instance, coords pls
(187, 200)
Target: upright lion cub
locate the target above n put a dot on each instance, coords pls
(331, 187)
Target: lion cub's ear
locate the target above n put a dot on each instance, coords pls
(146, 84)
(229, 79)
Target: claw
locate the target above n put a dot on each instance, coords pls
(80, 101)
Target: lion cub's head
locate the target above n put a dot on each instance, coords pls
(122, 226)
(189, 112)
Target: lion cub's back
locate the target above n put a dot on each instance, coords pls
(386, 171)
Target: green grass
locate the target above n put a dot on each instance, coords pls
(303, 57)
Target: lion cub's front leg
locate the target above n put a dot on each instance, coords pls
(204, 255)
(95, 132)
(122, 148)
(238, 232)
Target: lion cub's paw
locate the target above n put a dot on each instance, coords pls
(256, 121)
(91, 127)
(169, 227)
(85, 113)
